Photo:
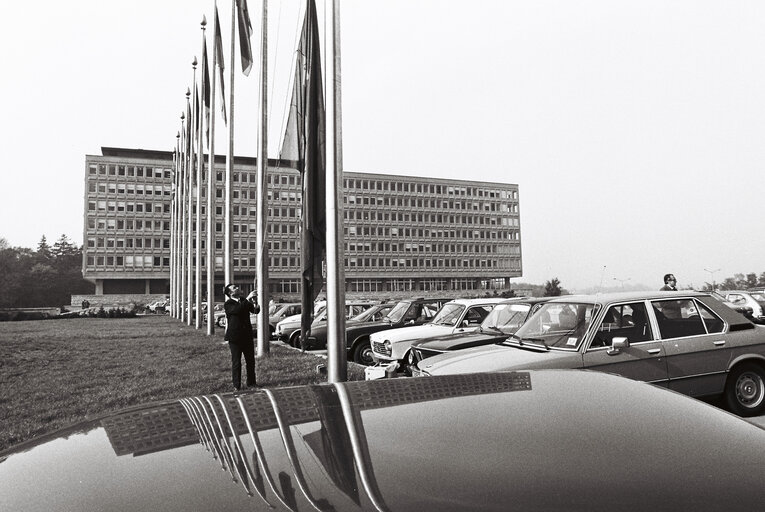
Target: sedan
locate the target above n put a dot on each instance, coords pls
(540, 440)
(752, 299)
(685, 341)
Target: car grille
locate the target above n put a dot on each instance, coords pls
(380, 348)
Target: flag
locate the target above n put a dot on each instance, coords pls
(304, 142)
(206, 89)
(245, 33)
(219, 59)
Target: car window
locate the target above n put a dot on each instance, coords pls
(678, 318)
(712, 322)
(736, 298)
(623, 320)
(476, 315)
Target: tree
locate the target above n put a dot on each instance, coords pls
(63, 247)
(552, 288)
(43, 249)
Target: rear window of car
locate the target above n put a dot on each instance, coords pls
(685, 317)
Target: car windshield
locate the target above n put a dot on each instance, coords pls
(398, 312)
(759, 297)
(369, 312)
(450, 314)
(506, 318)
(556, 325)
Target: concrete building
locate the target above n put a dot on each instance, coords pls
(404, 235)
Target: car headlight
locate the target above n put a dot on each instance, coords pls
(386, 348)
(416, 372)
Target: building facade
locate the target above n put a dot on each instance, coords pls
(403, 235)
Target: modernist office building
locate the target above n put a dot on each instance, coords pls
(404, 235)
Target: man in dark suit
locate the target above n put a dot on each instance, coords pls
(239, 333)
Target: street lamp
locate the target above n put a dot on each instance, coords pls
(712, 276)
(622, 281)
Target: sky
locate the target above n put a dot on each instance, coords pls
(635, 130)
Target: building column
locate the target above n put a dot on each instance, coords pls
(99, 286)
(147, 287)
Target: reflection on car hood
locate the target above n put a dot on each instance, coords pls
(523, 440)
(414, 332)
(462, 340)
(492, 358)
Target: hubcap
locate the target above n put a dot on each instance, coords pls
(750, 391)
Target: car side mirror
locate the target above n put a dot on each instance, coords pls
(618, 344)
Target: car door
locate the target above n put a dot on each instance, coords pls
(643, 360)
(697, 356)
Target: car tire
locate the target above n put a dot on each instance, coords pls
(221, 322)
(295, 339)
(745, 390)
(362, 354)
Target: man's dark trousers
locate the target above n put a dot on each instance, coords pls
(237, 351)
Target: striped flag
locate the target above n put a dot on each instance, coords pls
(245, 33)
(219, 63)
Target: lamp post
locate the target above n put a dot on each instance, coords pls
(622, 281)
(712, 276)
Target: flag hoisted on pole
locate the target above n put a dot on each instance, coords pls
(205, 84)
(304, 141)
(219, 60)
(245, 35)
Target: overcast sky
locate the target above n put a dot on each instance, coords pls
(634, 129)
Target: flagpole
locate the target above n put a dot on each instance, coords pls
(210, 189)
(227, 221)
(198, 249)
(182, 219)
(264, 332)
(337, 361)
(174, 229)
(209, 243)
(190, 229)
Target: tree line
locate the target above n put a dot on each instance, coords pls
(44, 277)
(739, 282)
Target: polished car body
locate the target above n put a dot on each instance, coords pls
(686, 341)
(752, 299)
(288, 330)
(538, 440)
(506, 318)
(458, 316)
(373, 314)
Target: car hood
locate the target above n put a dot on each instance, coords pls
(415, 332)
(462, 340)
(492, 358)
(536, 440)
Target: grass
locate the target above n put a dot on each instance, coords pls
(57, 372)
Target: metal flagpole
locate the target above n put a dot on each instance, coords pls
(337, 365)
(173, 229)
(264, 333)
(182, 220)
(198, 251)
(210, 193)
(228, 244)
(190, 230)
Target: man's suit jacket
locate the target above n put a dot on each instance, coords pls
(238, 325)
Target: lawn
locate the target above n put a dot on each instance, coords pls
(57, 372)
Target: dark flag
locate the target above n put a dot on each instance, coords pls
(221, 67)
(245, 33)
(206, 89)
(304, 142)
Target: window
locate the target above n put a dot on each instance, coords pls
(678, 318)
(623, 320)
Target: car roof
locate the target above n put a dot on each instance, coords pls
(605, 298)
(474, 302)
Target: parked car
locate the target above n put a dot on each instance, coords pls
(537, 440)
(750, 299)
(288, 330)
(375, 313)
(741, 308)
(158, 306)
(685, 341)
(504, 320)
(457, 316)
(406, 312)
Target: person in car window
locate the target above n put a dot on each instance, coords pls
(239, 333)
(670, 283)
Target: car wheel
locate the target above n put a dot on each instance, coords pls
(295, 339)
(745, 390)
(362, 354)
(221, 322)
